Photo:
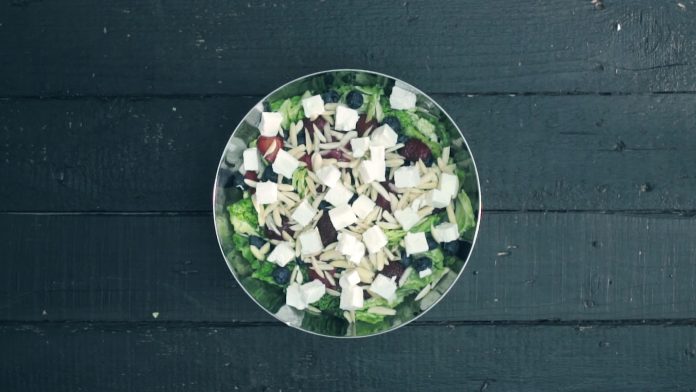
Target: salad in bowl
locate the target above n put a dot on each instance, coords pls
(346, 203)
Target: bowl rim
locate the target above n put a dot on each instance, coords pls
(478, 220)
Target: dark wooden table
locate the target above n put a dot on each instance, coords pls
(581, 114)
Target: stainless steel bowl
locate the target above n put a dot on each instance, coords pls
(271, 298)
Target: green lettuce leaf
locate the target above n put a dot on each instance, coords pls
(241, 245)
(243, 217)
(464, 213)
(328, 304)
(299, 181)
(419, 128)
(291, 108)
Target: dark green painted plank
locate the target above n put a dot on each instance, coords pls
(90, 357)
(215, 46)
(559, 153)
(525, 267)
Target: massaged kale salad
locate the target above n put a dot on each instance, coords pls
(350, 208)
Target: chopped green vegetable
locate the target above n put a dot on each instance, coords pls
(299, 181)
(427, 224)
(291, 108)
(265, 273)
(394, 236)
(464, 213)
(241, 245)
(371, 318)
(329, 304)
(243, 217)
(419, 128)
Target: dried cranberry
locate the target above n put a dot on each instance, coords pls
(394, 269)
(327, 231)
(414, 150)
(384, 203)
(363, 125)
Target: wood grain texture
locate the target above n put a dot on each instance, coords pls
(533, 152)
(526, 267)
(219, 47)
(425, 358)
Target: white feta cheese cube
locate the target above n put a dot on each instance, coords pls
(270, 123)
(369, 171)
(313, 106)
(251, 159)
(415, 243)
(282, 254)
(310, 242)
(338, 195)
(346, 242)
(437, 198)
(357, 254)
(401, 99)
(285, 164)
(446, 232)
(349, 279)
(407, 177)
(313, 291)
(376, 153)
(294, 298)
(449, 183)
(384, 287)
(378, 162)
(266, 192)
(346, 118)
(383, 136)
(351, 298)
(342, 216)
(425, 272)
(359, 146)
(362, 206)
(407, 218)
(304, 213)
(328, 175)
(374, 239)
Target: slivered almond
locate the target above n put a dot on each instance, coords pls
(446, 154)
(405, 276)
(255, 251)
(341, 264)
(393, 163)
(271, 149)
(330, 279)
(287, 237)
(265, 248)
(388, 225)
(394, 147)
(332, 292)
(330, 255)
(318, 134)
(276, 218)
(388, 217)
(365, 275)
(425, 211)
(450, 214)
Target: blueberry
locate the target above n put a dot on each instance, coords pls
(432, 244)
(236, 180)
(422, 264)
(354, 99)
(393, 123)
(429, 160)
(451, 247)
(324, 205)
(281, 275)
(301, 138)
(269, 174)
(464, 249)
(406, 259)
(330, 96)
(256, 241)
(353, 198)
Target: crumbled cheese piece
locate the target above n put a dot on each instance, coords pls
(294, 298)
(349, 279)
(346, 242)
(384, 287)
(338, 195)
(384, 136)
(304, 213)
(374, 239)
(449, 184)
(415, 243)
(328, 175)
(401, 99)
(285, 164)
(313, 291)
(270, 123)
(342, 216)
(445, 232)
(438, 199)
(362, 206)
(266, 192)
(359, 146)
(282, 254)
(310, 242)
(407, 177)
(407, 218)
(346, 118)
(351, 298)
(252, 161)
(313, 106)
(357, 254)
